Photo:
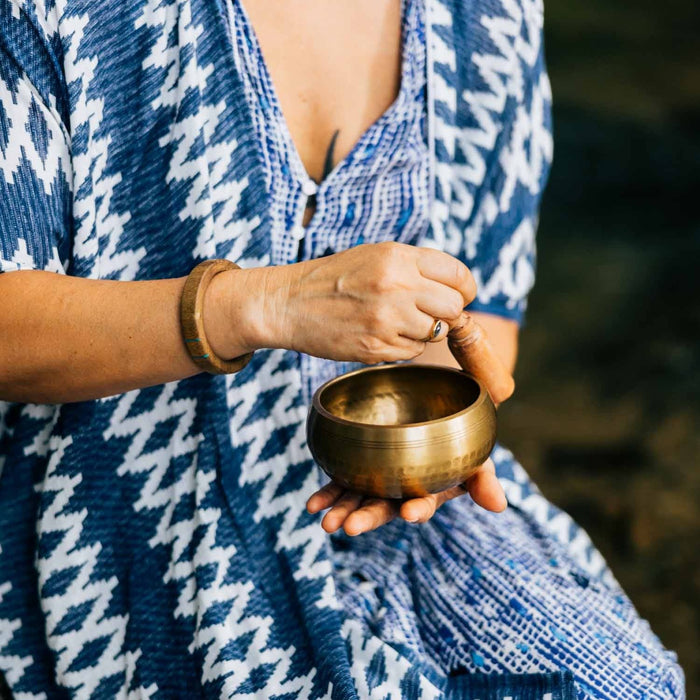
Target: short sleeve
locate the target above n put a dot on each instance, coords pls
(35, 166)
(499, 158)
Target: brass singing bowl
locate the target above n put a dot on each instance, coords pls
(401, 431)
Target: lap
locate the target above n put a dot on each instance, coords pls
(520, 592)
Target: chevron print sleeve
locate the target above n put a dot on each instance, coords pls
(491, 127)
(35, 164)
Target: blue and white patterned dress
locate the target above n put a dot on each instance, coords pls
(378, 192)
(155, 544)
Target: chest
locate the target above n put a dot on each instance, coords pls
(335, 67)
(165, 146)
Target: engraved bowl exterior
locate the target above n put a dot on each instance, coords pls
(401, 431)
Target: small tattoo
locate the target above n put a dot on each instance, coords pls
(328, 162)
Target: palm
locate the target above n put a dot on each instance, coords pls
(357, 514)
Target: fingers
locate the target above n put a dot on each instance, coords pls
(373, 513)
(345, 505)
(404, 348)
(324, 497)
(420, 326)
(446, 269)
(439, 301)
(420, 510)
(486, 490)
(356, 514)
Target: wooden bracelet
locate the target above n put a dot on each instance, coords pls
(192, 323)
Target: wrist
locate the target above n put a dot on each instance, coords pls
(269, 312)
(241, 310)
(224, 324)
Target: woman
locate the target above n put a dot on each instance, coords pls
(373, 168)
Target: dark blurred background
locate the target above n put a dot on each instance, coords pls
(606, 416)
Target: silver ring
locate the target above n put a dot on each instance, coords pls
(434, 331)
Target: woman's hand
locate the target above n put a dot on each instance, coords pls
(372, 303)
(357, 514)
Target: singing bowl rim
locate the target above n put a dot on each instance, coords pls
(318, 407)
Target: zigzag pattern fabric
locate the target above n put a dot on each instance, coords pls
(155, 544)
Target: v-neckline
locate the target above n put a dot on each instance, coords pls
(297, 163)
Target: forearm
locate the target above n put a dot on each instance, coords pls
(66, 339)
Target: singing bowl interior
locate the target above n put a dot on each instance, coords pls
(399, 395)
(401, 430)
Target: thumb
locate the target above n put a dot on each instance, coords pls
(486, 490)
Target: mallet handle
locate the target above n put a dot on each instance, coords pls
(476, 356)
